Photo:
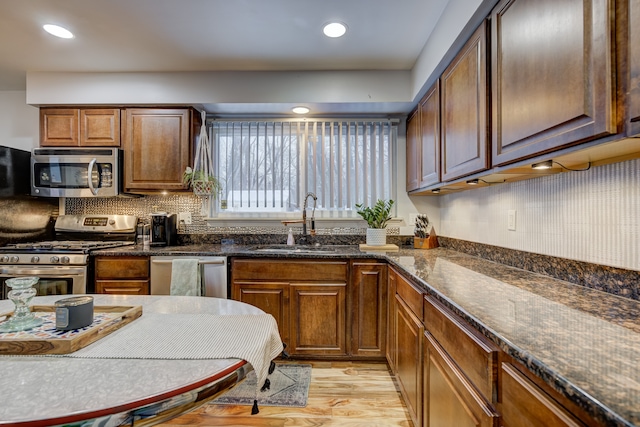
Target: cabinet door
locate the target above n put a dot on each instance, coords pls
(100, 127)
(429, 109)
(369, 307)
(633, 97)
(464, 110)
(391, 324)
(318, 319)
(157, 149)
(59, 127)
(272, 298)
(409, 332)
(413, 151)
(552, 76)
(524, 404)
(450, 399)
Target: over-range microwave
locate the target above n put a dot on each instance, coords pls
(76, 172)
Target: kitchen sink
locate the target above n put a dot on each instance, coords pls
(295, 249)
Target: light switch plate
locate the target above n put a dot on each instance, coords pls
(511, 220)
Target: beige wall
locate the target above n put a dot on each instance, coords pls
(589, 216)
(19, 126)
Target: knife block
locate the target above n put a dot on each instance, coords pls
(427, 242)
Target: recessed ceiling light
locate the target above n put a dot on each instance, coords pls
(300, 110)
(334, 29)
(58, 31)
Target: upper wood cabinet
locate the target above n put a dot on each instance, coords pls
(413, 151)
(158, 146)
(633, 46)
(84, 127)
(464, 110)
(552, 76)
(429, 108)
(423, 141)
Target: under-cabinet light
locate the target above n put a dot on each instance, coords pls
(472, 182)
(547, 164)
(300, 110)
(435, 191)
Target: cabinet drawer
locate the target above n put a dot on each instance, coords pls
(308, 270)
(524, 404)
(122, 268)
(410, 295)
(453, 399)
(476, 356)
(122, 287)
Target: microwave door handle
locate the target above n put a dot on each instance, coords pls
(92, 164)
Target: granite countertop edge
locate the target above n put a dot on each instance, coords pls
(547, 373)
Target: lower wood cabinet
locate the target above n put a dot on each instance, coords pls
(318, 319)
(270, 297)
(391, 324)
(307, 297)
(451, 400)
(368, 308)
(122, 275)
(409, 331)
(524, 404)
(451, 375)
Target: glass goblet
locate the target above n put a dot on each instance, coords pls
(22, 292)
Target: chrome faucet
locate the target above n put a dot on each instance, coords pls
(304, 217)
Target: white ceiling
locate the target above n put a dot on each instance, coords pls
(211, 35)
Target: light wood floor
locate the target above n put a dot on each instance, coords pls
(345, 394)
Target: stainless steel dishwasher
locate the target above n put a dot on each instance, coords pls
(213, 271)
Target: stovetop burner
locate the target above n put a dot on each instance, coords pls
(78, 234)
(63, 246)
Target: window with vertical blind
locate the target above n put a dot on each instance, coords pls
(270, 166)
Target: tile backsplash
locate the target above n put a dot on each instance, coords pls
(142, 207)
(589, 216)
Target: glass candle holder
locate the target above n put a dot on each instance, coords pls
(21, 294)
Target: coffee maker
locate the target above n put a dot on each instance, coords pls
(164, 229)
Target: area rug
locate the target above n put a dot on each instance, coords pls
(289, 387)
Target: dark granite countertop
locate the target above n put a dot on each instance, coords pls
(582, 342)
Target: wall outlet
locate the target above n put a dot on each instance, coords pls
(511, 220)
(511, 310)
(185, 217)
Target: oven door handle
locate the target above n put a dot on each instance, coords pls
(55, 272)
(92, 164)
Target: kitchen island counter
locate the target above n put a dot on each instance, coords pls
(583, 343)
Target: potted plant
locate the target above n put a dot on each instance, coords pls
(201, 183)
(377, 218)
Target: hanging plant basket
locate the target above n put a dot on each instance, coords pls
(205, 188)
(200, 178)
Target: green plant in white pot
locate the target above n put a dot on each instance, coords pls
(377, 218)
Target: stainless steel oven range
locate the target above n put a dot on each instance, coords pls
(63, 265)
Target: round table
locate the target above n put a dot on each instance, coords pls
(44, 391)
